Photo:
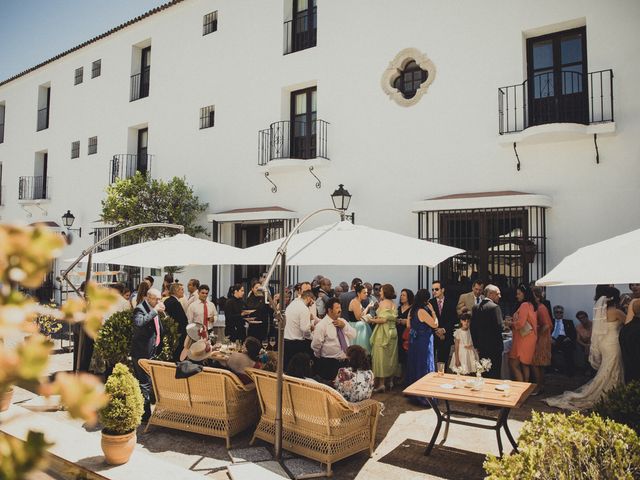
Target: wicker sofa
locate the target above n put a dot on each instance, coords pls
(212, 402)
(317, 422)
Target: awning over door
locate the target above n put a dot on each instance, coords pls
(253, 214)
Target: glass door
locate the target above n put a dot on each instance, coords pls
(142, 157)
(145, 68)
(557, 78)
(303, 123)
(304, 24)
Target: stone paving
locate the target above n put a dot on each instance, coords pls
(401, 421)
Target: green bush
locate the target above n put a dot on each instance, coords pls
(622, 405)
(113, 344)
(123, 413)
(574, 447)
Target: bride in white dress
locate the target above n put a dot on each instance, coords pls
(605, 356)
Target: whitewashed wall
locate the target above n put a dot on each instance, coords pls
(388, 156)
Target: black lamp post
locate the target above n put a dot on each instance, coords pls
(341, 199)
(67, 220)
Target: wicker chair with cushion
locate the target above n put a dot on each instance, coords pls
(212, 402)
(317, 422)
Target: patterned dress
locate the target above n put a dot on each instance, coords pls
(354, 386)
(384, 344)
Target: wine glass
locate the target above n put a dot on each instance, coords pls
(272, 342)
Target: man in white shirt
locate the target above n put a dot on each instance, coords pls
(203, 311)
(331, 338)
(192, 287)
(297, 329)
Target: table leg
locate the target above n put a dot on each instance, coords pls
(447, 417)
(434, 437)
(507, 431)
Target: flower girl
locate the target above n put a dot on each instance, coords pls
(464, 356)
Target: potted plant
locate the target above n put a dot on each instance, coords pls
(121, 416)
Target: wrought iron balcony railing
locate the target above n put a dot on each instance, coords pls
(140, 84)
(43, 118)
(125, 165)
(556, 98)
(33, 188)
(297, 140)
(301, 32)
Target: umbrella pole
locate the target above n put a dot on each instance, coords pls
(280, 370)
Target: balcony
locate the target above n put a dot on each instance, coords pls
(43, 118)
(140, 85)
(286, 140)
(301, 32)
(125, 165)
(33, 188)
(557, 105)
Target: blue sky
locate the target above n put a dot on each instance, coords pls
(32, 31)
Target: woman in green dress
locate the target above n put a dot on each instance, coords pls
(356, 312)
(384, 339)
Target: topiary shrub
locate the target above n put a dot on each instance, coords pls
(574, 447)
(622, 405)
(123, 413)
(113, 344)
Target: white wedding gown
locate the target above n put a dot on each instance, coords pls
(610, 372)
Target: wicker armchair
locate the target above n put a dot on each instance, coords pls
(317, 422)
(212, 402)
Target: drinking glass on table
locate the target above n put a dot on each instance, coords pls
(272, 342)
(440, 366)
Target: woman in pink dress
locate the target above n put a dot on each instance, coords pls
(542, 357)
(525, 334)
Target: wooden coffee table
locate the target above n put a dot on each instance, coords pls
(430, 387)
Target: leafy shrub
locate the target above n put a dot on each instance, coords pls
(123, 413)
(574, 447)
(113, 344)
(622, 405)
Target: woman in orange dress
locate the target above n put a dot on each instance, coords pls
(542, 357)
(525, 334)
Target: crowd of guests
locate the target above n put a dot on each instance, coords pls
(358, 340)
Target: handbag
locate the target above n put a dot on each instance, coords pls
(526, 329)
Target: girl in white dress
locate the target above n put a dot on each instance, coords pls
(464, 355)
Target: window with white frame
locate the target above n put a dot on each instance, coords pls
(207, 116)
(78, 77)
(93, 146)
(96, 68)
(209, 23)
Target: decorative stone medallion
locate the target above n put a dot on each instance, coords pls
(408, 77)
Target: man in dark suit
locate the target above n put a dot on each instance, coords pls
(175, 310)
(445, 309)
(146, 341)
(563, 341)
(486, 329)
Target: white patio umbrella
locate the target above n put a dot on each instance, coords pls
(344, 243)
(616, 260)
(181, 249)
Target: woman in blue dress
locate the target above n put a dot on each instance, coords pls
(356, 312)
(420, 357)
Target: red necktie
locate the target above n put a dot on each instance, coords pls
(205, 322)
(156, 321)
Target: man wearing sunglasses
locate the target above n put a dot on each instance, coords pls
(445, 309)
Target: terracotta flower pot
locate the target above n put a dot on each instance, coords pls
(5, 399)
(118, 448)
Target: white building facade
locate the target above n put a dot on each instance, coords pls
(508, 129)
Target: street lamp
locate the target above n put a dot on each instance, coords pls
(67, 220)
(341, 199)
